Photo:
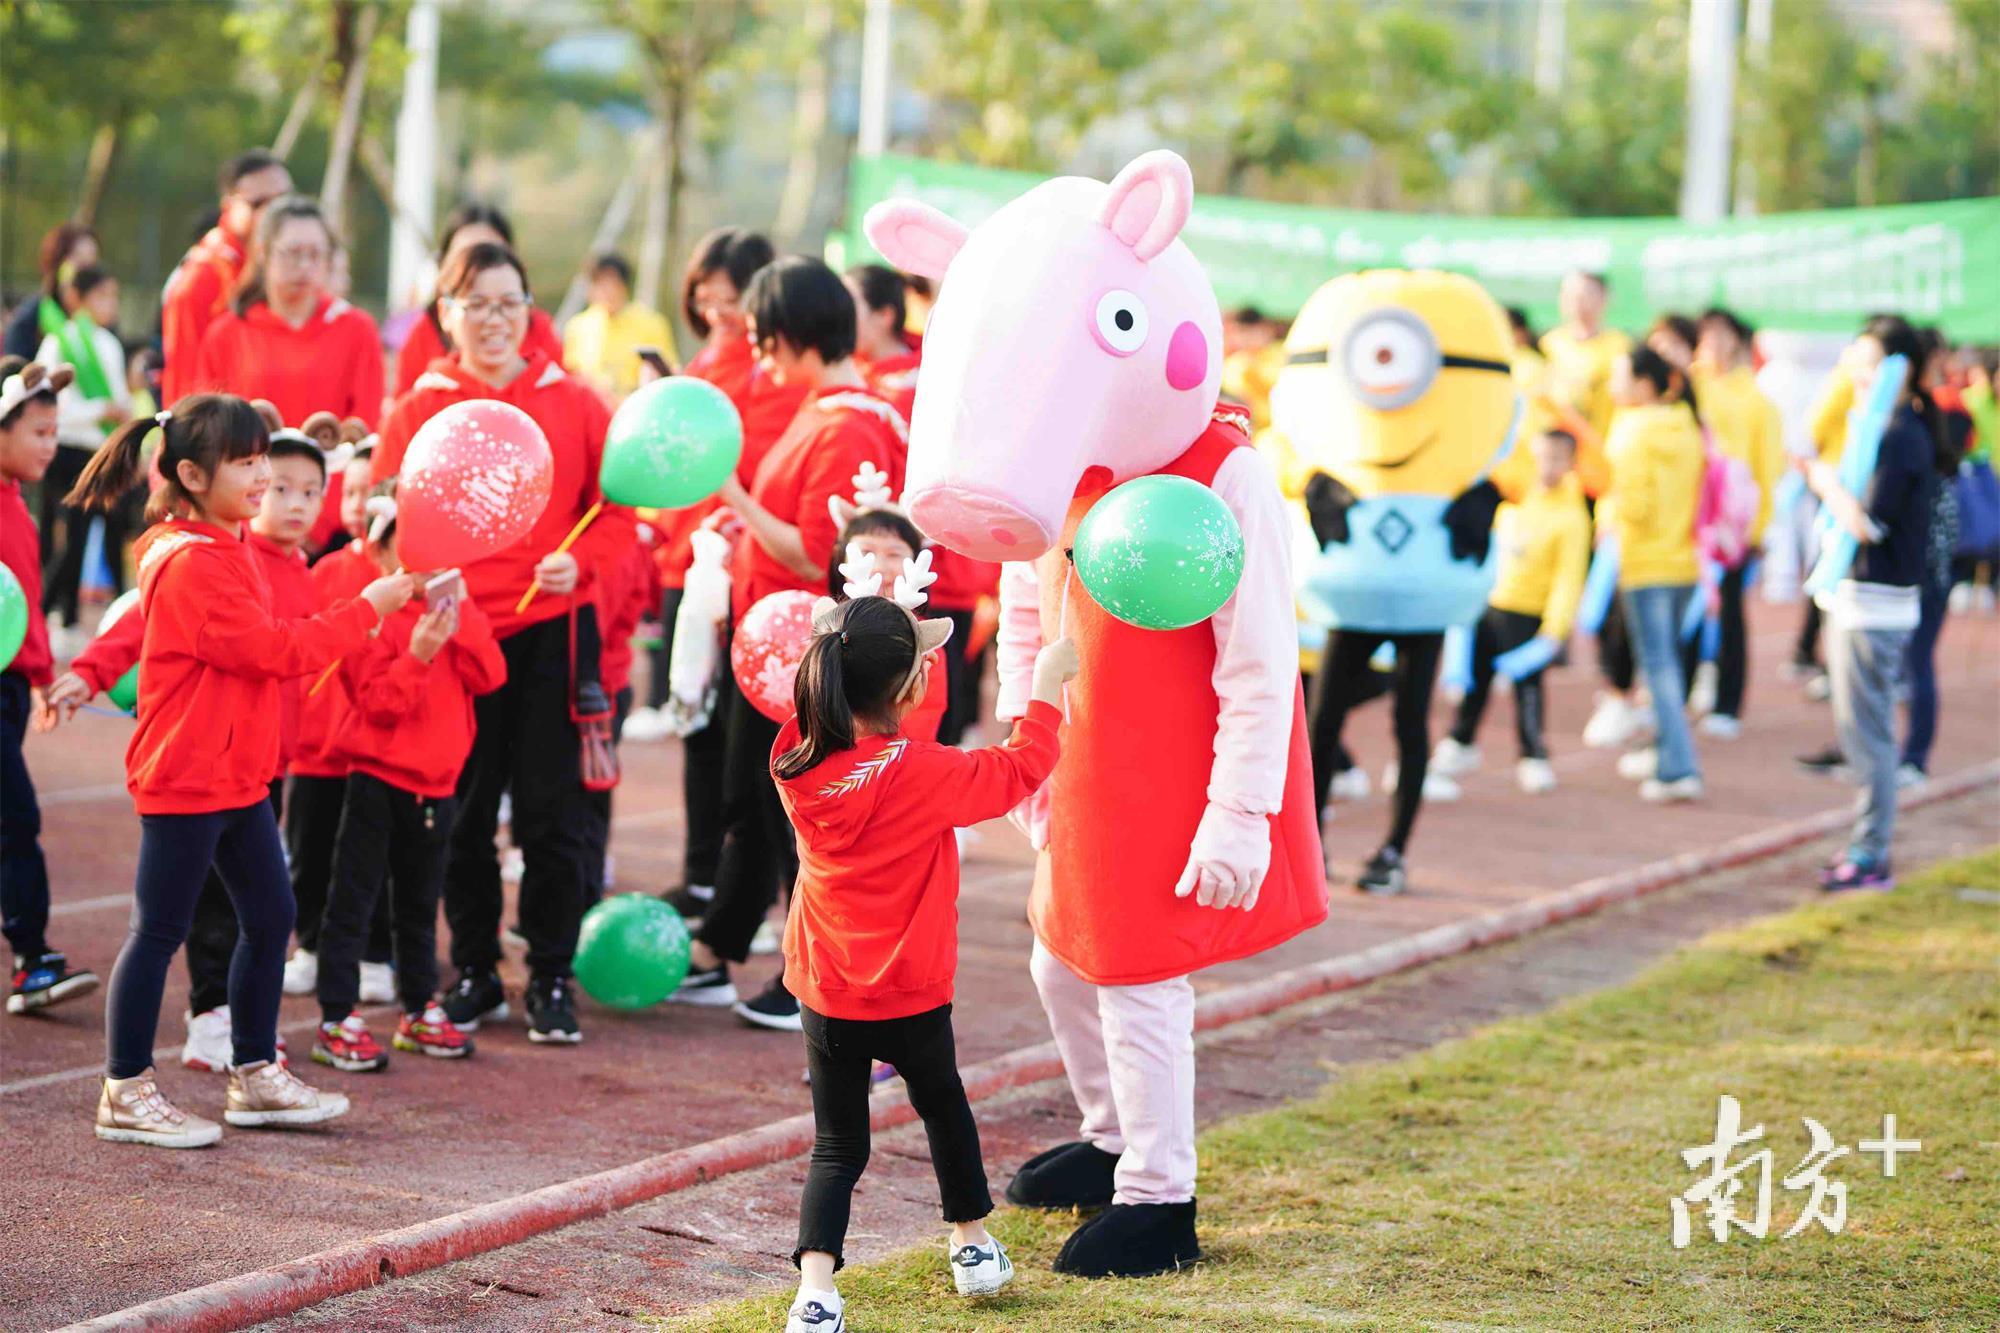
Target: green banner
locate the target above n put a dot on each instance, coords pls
(1817, 272)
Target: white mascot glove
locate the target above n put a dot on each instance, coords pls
(1032, 817)
(1228, 859)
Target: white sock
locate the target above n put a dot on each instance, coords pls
(829, 1299)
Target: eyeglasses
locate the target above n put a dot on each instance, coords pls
(299, 256)
(1390, 359)
(479, 309)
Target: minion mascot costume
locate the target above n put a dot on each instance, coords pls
(1396, 397)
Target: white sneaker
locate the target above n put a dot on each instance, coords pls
(1612, 724)
(1909, 775)
(1820, 688)
(209, 1047)
(1721, 726)
(1537, 777)
(816, 1312)
(1350, 785)
(1960, 600)
(1437, 787)
(302, 972)
(1984, 599)
(1638, 765)
(1452, 759)
(1672, 793)
(981, 1270)
(647, 725)
(378, 983)
(1701, 695)
(766, 940)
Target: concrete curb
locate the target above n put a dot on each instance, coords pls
(250, 1298)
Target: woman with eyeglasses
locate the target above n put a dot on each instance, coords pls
(467, 225)
(527, 739)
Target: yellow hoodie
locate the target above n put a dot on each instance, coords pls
(1580, 371)
(1747, 427)
(1544, 555)
(1656, 470)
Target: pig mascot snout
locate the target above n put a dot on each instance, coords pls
(1076, 344)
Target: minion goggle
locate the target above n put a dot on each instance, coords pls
(1390, 358)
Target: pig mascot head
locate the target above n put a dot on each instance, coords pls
(1073, 331)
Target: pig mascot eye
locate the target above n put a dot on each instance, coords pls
(1121, 323)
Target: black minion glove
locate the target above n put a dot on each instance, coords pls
(1470, 518)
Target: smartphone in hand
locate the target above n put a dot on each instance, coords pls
(444, 590)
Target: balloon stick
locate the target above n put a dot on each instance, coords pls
(567, 542)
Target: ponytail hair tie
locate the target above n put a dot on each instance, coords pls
(162, 417)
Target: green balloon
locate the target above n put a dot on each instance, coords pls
(671, 444)
(125, 693)
(13, 616)
(1160, 552)
(632, 951)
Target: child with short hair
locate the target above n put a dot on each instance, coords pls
(201, 758)
(406, 744)
(871, 944)
(28, 413)
(1544, 558)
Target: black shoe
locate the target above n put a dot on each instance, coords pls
(552, 1013)
(709, 989)
(691, 905)
(1384, 874)
(1826, 763)
(773, 1007)
(1074, 1175)
(1132, 1240)
(45, 980)
(476, 997)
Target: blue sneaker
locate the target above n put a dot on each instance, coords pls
(1850, 876)
(46, 980)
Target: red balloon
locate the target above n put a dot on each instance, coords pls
(475, 479)
(770, 642)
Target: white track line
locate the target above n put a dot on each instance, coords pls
(91, 904)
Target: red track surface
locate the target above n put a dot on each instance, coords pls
(96, 1228)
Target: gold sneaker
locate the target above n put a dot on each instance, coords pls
(132, 1110)
(270, 1095)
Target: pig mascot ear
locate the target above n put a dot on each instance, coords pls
(914, 236)
(1149, 201)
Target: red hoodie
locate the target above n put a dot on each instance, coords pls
(873, 930)
(209, 678)
(322, 716)
(574, 419)
(425, 345)
(832, 436)
(895, 378)
(412, 724)
(21, 551)
(331, 363)
(197, 294)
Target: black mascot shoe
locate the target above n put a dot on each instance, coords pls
(1132, 1240)
(1075, 1175)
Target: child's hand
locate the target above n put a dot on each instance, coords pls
(61, 700)
(1055, 666)
(389, 593)
(433, 632)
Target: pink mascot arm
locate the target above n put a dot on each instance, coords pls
(1256, 683)
(1018, 640)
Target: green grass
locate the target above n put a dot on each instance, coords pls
(1520, 1178)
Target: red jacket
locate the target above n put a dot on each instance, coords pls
(323, 715)
(628, 589)
(197, 293)
(426, 344)
(331, 363)
(895, 378)
(766, 407)
(574, 418)
(21, 551)
(412, 723)
(214, 659)
(834, 433)
(873, 930)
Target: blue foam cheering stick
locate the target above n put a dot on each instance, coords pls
(1532, 656)
(1865, 425)
(1599, 587)
(1457, 667)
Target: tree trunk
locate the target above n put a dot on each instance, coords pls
(808, 128)
(295, 118)
(340, 158)
(653, 245)
(645, 161)
(674, 137)
(97, 171)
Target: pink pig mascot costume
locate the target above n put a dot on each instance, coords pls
(1076, 344)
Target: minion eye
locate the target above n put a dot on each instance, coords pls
(1390, 358)
(1120, 325)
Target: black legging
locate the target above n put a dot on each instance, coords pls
(839, 1052)
(1614, 649)
(66, 531)
(702, 758)
(1501, 632)
(1345, 680)
(758, 850)
(1732, 654)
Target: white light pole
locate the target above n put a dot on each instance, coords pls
(873, 135)
(1757, 24)
(1551, 46)
(1711, 107)
(416, 159)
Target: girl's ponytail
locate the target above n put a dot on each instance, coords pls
(114, 469)
(826, 720)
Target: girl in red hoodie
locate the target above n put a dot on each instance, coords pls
(202, 755)
(871, 946)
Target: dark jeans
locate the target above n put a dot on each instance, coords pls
(312, 825)
(1345, 680)
(1615, 659)
(395, 839)
(1500, 632)
(65, 531)
(758, 850)
(527, 743)
(175, 852)
(1805, 651)
(701, 760)
(1920, 674)
(961, 678)
(838, 1056)
(24, 875)
(1732, 654)
(211, 941)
